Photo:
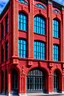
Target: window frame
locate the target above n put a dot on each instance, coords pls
(39, 25)
(7, 24)
(56, 55)
(39, 51)
(22, 22)
(56, 28)
(36, 75)
(2, 30)
(22, 46)
(7, 50)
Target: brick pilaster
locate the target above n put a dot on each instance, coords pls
(49, 29)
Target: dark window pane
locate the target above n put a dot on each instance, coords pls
(2, 30)
(7, 24)
(6, 50)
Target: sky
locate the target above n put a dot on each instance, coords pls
(4, 2)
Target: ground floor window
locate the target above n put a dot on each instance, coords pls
(56, 81)
(36, 80)
(14, 82)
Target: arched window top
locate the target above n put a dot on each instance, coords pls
(36, 72)
(23, 1)
(39, 41)
(56, 11)
(40, 6)
(56, 20)
(56, 47)
(22, 40)
(39, 16)
(14, 71)
(22, 13)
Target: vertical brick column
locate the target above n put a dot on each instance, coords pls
(47, 39)
(0, 43)
(61, 42)
(22, 85)
(63, 82)
(62, 36)
(30, 29)
(49, 29)
(50, 84)
(9, 84)
(14, 27)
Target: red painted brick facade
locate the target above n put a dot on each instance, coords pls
(23, 66)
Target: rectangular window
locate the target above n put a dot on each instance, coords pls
(56, 28)
(39, 50)
(7, 50)
(39, 25)
(22, 21)
(7, 24)
(55, 52)
(2, 54)
(22, 48)
(2, 30)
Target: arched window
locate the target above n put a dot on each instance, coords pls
(55, 52)
(56, 11)
(56, 28)
(23, 1)
(14, 82)
(39, 50)
(39, 25)
(22, 48)
(40, 6)
(36, 80)
(56, 81)
(22, 22)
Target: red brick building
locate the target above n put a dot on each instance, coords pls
(32, 48)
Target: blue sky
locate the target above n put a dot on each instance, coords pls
(4, 2)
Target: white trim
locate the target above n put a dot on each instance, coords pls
(38, 94)
(23, 94)
(62, 92)
(50, 92)
(9, 94)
